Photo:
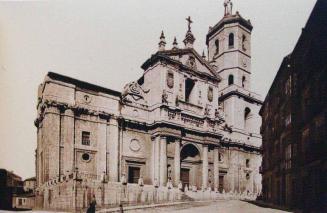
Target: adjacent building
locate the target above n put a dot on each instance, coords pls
(189, 122)
(25, 199)
(294, 126)
(10, 184)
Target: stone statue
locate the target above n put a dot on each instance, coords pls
(140, 181)
(186, 188)
(169, 184)
(155, 183)
(228, 4)
(164, 97)
(123, 179)
(180, 186)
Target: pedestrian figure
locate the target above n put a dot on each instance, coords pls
(93, 203)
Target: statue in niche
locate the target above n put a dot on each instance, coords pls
(164, 97)
(210, 94)
(170, 79)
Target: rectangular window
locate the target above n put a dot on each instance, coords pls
(133, 174)
(86, 138)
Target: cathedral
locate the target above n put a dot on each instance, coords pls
(190, 123)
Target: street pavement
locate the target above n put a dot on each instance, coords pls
(224, 206)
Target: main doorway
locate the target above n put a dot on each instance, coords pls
(185, 177)
(190, 173)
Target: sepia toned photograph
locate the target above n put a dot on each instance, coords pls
(163, 106)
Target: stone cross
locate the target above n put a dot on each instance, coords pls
(189, 23)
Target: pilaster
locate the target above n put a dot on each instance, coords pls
(114, 150)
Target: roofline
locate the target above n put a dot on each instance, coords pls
(237, 18)
(31, 178)
(273, 84)
(82, 84)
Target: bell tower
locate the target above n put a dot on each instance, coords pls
(229, 52)
(229, 48)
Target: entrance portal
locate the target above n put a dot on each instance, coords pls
(190, 166)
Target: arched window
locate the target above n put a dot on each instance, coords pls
(243, 81)
(247, 112)
(217, 46)
(230, 79)
(231, 40)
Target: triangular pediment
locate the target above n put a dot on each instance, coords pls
(188, 58)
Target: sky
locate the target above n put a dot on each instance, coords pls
(106, 42)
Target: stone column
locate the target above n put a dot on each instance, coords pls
(205, 166)
(177, 161)
(163, 161)
(216, 167)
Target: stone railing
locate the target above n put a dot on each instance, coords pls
(215, 195)
(75, 194)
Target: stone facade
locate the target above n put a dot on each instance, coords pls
(181, 126)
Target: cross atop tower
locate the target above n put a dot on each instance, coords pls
(189, 23)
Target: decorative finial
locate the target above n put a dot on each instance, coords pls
(188, 19)
(175, 44)
(162, 42)
(203, 55)
(228, 4)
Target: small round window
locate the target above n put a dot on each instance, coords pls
(86, 157)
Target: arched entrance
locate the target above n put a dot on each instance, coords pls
(190, 164)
